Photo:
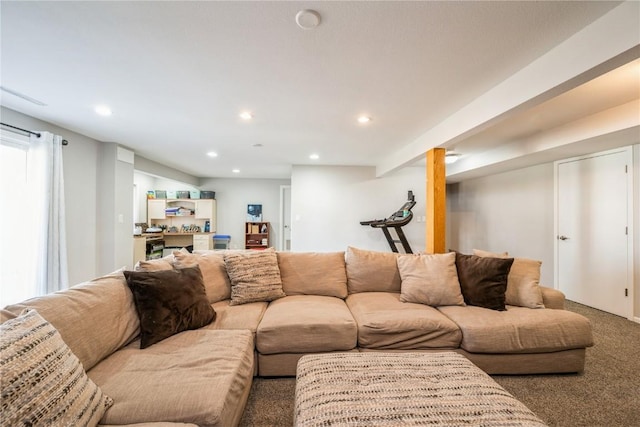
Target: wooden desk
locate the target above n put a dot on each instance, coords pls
(200, 241)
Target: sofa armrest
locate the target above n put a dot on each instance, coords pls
(552, 298)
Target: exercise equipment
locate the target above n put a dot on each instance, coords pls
(396, 220)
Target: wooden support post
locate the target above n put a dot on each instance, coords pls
(436, 202)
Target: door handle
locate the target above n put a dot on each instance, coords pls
(563, 238)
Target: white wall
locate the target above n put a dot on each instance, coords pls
(143, 183)
(511, 212)
(328, 203)
(234, 194)
(114, 238)
(514, 212)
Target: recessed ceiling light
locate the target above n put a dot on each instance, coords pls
(103, 110)
(314, 157)
(236, 171)
(245, 115)
(212, 154)
(364, 119)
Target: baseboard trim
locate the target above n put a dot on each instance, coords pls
(636, 319)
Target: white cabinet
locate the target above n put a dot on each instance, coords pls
(139, 249)
(203, 210)
(202, 242)
(155, 210)
(206, 209)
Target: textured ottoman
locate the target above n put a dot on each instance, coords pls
(393, 389)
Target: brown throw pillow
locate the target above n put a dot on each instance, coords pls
(483, 280)
(523, 283)
(169, 302)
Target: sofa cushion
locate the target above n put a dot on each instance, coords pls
(313, 273)
(198, 377)
(384, 322)
(306, 323)
(161, 424)
(243, 316)
(92, 329)
(483, 280)
(523, 282)
(552, 298)
(519, 329)
(214, 272)
(43, 382)
(430, 279)
(254, 276)
(370, 271)
(169, 302)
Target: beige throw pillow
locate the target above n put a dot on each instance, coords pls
(160, 264)
(43, 382)
(487, 254)
(523, 282)
(430, 279)
(214, 272)
(254, 276)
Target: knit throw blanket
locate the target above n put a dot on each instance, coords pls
(402, 389)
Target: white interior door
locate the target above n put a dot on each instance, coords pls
(285, 218)
(593, 241)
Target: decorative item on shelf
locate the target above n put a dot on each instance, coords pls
(182, 194)
(151, 194)
(190, 228)
(172, 210)
(254, 212)
(263, 230)
(206, 194)
(161, 194)
(194, 194)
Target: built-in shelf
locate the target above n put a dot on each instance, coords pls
(257, 235)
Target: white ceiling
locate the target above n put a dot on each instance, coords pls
(177, 74)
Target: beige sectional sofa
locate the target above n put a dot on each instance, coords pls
(353, 301)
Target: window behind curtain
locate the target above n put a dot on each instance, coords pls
(18, 232)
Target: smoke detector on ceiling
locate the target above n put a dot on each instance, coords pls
(307, 19)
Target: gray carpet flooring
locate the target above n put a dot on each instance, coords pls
(607, 394)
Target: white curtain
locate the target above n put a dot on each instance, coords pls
(45, 176)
